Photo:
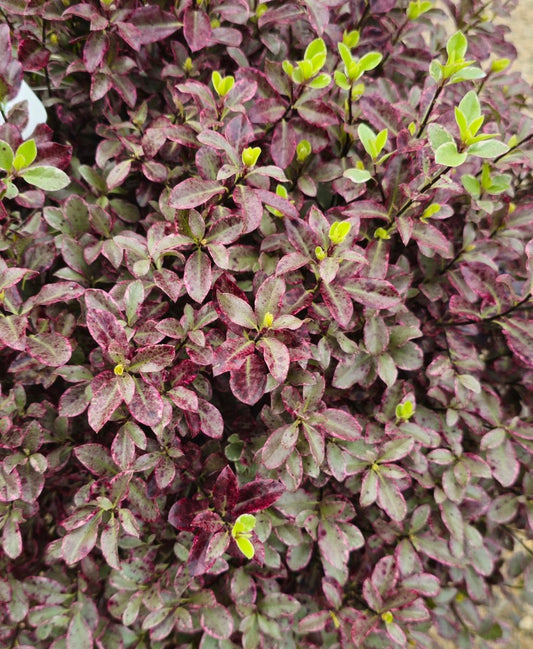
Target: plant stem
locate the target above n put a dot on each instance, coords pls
(429, 110)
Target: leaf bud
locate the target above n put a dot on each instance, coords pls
(303, 150)
(387, 617)
(381, 233)
(118, 369)
(250, 155)
(268, 320)
(339, 231)
(320, 253)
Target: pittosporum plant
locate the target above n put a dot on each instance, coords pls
(265, 325)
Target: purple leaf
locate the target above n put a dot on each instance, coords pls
(13, 331)
(77, 544)
(283, 146)
(153, 358)
(269, 297)
(198, 275)
(258, 495)
(194, 192)
(94, 50)
(373, 293)
(237, 310)
(338, 424)
(338, 303)
(211, 421)
(153, 24)
(280, 445)
(104, 401)
(105, 329)
(96, 458)
(146, 405)
(225, 491)
(51, 349)
(248, 382)
(277, 357)
(196, 29)
(217, 622)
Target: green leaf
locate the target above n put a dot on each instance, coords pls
(316, 48)
(6, 156)
(469, 73)
(436, 71)
(321, 81)
(351, 39)
(488, 149)
(381, 140)
(357, 175)
(346, 55)
(244, 524)
(417, 8)
(47, 178)
(470, 106)
(341, 80)
(472, 185)
(447, 155)
(27, 151)
(456, 47)
(370, 61)
(438, 136)
(462, 123)
(245, 546)
(368, 140)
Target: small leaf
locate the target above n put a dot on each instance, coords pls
(357, 175)
(488, 149)
(46, 177)
(79, 634)
(6, 156)
(194, 192)
(448, 155)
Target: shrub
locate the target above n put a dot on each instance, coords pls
(268, 359)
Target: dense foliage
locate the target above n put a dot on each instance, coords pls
(267, 359)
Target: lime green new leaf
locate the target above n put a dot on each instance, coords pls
(244, 524)
(345, 53)
(370, 61)
(368, 140)
(488, 149)
(357, 175)
(417, 8)
(470, 106)
(381, 140)
(341, 80)
(462, 123)
(6, 156)
(288, 68)
(245, 546)
(447, 155)
(351, 39)
(27, 151)
(338, 231)
(46, 177)
(321, 81)
(456, 47)
(316, 48)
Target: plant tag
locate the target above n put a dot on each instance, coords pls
(36, 110)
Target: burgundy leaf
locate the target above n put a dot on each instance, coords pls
(49, 348)
(225, 491)
(194, 192)
(338, 303)
(280, 445)
(373, 293)
(104, 401)
(257, 495)
(198, 275)
(277, 357)
(196, 29)
(211, 421)
(248, 382)
(146, 405)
